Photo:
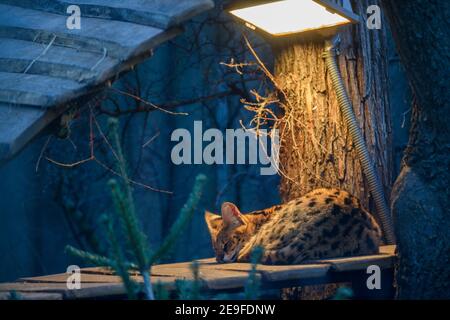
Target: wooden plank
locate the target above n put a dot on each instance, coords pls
(273, 273)
(120, 39)
(89, 290)
(283, 273)
(214, 279)
(63, 71)
(390, 249)
(34, 287)
(97, 270)
(385, 260)
(18, 56)
(37, 90)
(225, 280)
(32, 296)
(360, 263)
(158, 13)
(187, 265)
(18, 125)
(268, 273)
(85, 278)
(96, 290)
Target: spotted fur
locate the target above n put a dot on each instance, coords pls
(324, 223)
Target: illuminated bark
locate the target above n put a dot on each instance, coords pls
(320, 153)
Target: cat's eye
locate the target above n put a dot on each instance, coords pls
(225, 246)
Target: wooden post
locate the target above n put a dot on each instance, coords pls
(320, 152)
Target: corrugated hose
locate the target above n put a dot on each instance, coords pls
(375, 186)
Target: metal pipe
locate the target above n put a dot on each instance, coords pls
(375, 186)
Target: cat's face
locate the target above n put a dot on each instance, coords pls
(229, 232)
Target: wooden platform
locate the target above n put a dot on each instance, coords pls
(215, 278)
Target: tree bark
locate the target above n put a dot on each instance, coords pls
(320, 153)
(421, 196)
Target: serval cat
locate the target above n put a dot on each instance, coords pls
(324, 223)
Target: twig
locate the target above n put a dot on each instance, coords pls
(40, 55)
(105, 52)
(151, 140)
(170, 105)
(44, 148)
(140, 184)
(148, 103)
(69, 165)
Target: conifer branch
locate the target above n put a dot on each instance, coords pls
(125, 204)
(92, 258)
(120, 266)
(252, 288)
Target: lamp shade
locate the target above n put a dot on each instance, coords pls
(288, 17)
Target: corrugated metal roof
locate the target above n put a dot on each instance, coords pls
(44, 65)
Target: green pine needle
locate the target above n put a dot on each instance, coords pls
(252, 288)
(136, 239)
(120, 266)
(14, 295)
(196, 283)
(88, 257)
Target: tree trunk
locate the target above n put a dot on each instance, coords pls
(320, 153)
(421, 196)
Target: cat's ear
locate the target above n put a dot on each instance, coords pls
(214, 222)
(232, 217)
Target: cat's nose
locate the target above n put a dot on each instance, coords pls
(229, 258)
